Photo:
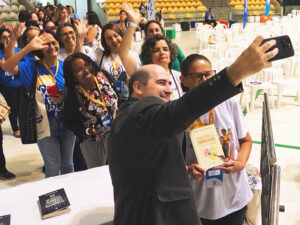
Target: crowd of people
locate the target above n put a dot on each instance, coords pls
(132, 111)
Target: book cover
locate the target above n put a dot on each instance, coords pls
(5, 220)
(54, 203)
(207, 147)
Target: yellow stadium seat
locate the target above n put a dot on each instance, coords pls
(181, 9)
(117, 11)
(158, 9)
(111, 12)
(164, 10)
(172, 16)
(272, 6)
(189, 4)
(189, 15)
(176, 9)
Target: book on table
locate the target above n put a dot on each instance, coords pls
(5, 220)
(207, 147)
(54, 203)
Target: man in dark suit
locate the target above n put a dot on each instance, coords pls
(148, 172)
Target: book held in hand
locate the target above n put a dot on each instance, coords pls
(5, 220)
(207, 147)
(54, 203)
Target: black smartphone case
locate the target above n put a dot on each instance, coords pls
(284, 45)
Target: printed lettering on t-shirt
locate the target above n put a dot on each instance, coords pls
(44, 81)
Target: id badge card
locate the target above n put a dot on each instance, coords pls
(118, 85)
(106, 120)
(214, 178)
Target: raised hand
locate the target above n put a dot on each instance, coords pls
(40, 42)
(133, 14)
(16, 32)
(82, 28)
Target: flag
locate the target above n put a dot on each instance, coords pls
(245, 12)
(151, 9)
(4, 3)
(268, 3)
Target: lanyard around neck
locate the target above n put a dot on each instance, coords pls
(115, 65)
(49, 70)
(102, 102)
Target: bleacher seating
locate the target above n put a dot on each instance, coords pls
(171, 9)
(10, 13)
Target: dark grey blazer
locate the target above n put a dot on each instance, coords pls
(147, 168)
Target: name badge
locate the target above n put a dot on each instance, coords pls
(214, 178)
(118, 85)
(106, 120)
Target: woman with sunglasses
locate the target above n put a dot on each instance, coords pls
(56, 149)
(90, 106)
(227, 203)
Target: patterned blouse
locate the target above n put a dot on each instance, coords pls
(94, 113)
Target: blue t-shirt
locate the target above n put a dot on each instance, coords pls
(7, 79)
(44, 80)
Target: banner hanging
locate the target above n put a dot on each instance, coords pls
(151, 9)
(268, 4)
(245, 12)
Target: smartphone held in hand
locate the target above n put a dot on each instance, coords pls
(284, 45)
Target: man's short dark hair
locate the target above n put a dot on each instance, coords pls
(140, 75)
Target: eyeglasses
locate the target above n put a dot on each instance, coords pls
(67, 33)
(5, 37)
(53, 43)
(199, 76)
(87, 68)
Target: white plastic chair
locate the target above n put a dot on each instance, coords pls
(211, 54)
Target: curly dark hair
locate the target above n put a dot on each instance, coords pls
(109, 26)
(148, 46)
(58, 32)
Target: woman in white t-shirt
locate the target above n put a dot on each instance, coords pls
(155, 50)
(225, 204)
(110, 61)
(68, 35)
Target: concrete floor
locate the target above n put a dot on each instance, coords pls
(26, 162)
